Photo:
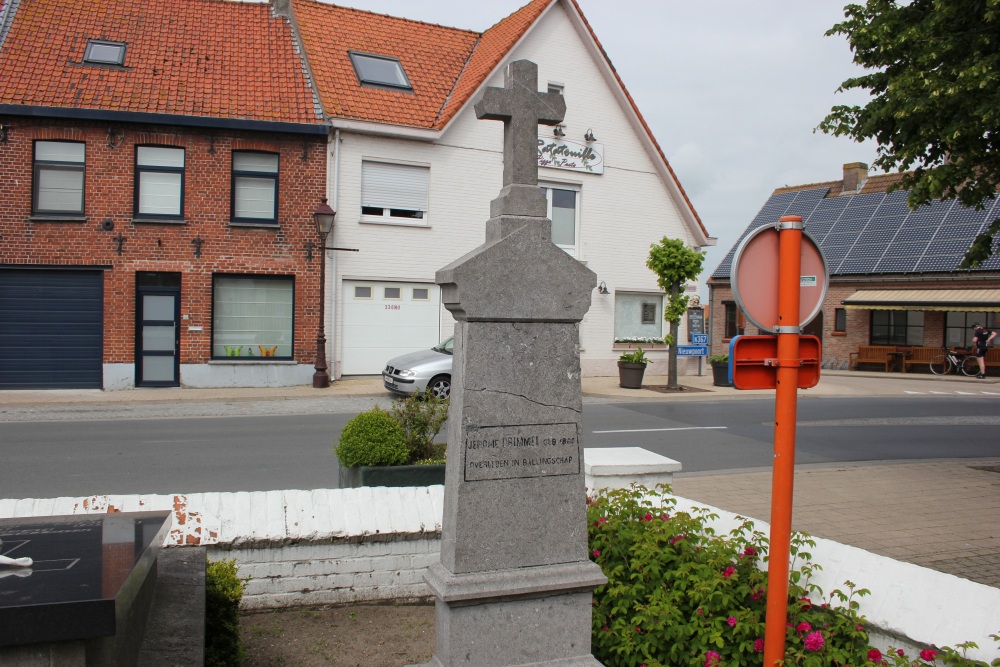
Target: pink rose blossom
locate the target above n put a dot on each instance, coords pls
(728, 572)
(803, 627)
(648, 517)
(731, 621)
(900, 652)
(750, 551)
(758, 645)
(605, 628)
(597, 552)
(814, 641)
(700, 612)
(875, 655)
(665, 516)
(928, 655)
(712, 659)
(677, 538)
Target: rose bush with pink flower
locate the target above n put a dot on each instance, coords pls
(679, 594)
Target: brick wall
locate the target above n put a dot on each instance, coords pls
(837, 346)
(109, 194)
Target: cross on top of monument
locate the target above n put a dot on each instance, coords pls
(522, 109)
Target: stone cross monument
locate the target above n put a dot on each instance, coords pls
(514, 585)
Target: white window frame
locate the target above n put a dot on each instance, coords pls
(58, 159)
(629, 305)
(548, 186)
(163, 161)
(395, 193)
(251, 175)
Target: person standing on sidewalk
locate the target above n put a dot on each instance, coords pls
(981, 340)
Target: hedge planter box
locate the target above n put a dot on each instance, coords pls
(413, 475)
(630, 375)
(720, 374)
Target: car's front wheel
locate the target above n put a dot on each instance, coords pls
(440, 386)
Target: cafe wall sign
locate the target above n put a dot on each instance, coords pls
(573, 155)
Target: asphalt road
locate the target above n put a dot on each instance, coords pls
(247, 450)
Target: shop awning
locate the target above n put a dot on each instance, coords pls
(972, 300)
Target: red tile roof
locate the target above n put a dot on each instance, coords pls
(187, 57)
(493, 46)
(879, 183)
(432, 56)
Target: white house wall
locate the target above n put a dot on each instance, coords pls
(622, 211)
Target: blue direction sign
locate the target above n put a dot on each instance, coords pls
(699, 339)
(692, 350)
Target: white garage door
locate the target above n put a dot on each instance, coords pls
(383, 320)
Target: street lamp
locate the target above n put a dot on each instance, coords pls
(323, 217)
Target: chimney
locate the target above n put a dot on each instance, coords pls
(855, 175)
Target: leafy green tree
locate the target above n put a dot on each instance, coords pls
(933, 73)
(674, 265)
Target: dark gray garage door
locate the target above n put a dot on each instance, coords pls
(51, 329)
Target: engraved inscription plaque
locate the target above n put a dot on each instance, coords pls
(524, 450)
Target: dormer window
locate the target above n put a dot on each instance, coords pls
(380, 71)
(100, 52)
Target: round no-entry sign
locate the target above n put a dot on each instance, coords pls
(754, 278)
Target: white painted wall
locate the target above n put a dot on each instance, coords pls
(622, 211)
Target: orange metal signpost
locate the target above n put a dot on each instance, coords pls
(769, 264)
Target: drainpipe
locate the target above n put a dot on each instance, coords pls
(335, 292)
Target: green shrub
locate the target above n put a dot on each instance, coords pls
(223, 592)
(637, 356)
(373, 438)
(421, 417)
(680, 595)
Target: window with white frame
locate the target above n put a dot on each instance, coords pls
(59, 168)
(253, 316)
(394, 192)
(255, 187)
(638, 317)
(564, 212)
(159, 182)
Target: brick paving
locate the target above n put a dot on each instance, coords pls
(944, 515)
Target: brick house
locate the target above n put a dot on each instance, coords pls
(170, 154)
(892, 271)
(160, 162)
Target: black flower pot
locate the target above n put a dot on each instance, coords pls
(720, 374)
(630, 375)
(411, 475)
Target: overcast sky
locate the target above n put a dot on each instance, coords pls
(732, 90)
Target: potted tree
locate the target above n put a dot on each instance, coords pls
(631, 366)
(720, 369)
(394, 447)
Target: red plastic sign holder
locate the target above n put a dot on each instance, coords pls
(754, 362)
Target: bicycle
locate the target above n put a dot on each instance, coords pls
(955, 361)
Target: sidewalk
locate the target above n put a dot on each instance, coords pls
(940, 514)
(832, 383)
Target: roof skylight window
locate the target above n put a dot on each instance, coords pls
(100, 52)
(379, 71)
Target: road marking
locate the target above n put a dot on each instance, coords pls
(653, 430)
(965, 393)
(914, 392)
(990, 393)
(942, 393)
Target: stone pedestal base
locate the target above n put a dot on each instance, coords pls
(514, 618)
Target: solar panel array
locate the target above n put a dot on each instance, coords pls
(877, 233)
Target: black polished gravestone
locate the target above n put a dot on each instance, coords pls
(85, 597)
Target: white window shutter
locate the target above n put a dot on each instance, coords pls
(397, 186)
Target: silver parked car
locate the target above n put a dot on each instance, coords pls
(418, 371)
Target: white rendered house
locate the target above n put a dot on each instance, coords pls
(412, 172)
